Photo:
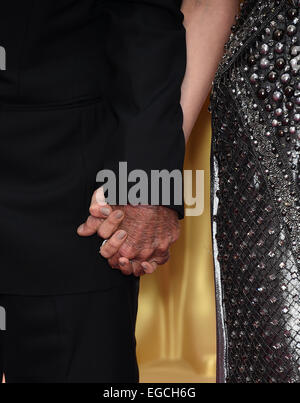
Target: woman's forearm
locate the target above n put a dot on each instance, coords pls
(207, 24)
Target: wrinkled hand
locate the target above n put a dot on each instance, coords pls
(150, 232)
(139, 236)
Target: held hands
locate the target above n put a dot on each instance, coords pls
(138, 237)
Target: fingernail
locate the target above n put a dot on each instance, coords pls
(121, 234)
(119, 214)
(122, 263)
(144, 266)
(80, 228)
(105, 211)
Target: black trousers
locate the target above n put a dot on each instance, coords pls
(49, 160)
(86, 337)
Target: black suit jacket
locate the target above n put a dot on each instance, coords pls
(63, 55)
(132, 52)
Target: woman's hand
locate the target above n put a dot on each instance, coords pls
(104, 221)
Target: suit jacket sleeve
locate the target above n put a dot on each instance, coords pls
(145, 51)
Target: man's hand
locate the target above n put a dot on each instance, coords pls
(150, 232)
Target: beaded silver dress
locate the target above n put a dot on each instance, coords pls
(255, 192)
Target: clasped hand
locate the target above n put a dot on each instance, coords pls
(138, 237)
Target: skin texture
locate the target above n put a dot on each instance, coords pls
(208, 26)
(139, 237)
(150, 232)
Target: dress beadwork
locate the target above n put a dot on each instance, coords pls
(255, 195)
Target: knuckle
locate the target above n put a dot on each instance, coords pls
(176, 234)
(113, 265)
(163, 247)
(93, 208)
(162, 259)
(145, 254)
(113, 262)
(128, 251)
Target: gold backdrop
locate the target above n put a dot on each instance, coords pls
(176, 319)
